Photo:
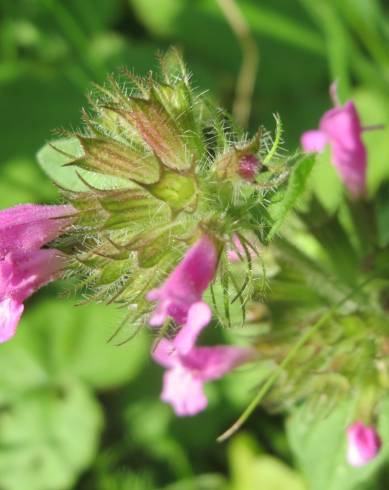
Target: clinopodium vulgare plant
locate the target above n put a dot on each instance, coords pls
(174, 214)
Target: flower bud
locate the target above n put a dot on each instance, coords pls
(363, 444)
(248, 166)
(239, 162)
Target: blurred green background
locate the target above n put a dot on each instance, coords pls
(78, 412)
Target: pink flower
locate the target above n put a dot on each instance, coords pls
(341, 129)
(30, 226)
(24, 266)
(189, 368)
(363, 444)
(186, 284)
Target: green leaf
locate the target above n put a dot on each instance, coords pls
(57, 339)
(319, 445)
(23, 182)
(158, 15)
(149, 426)
(250, 470)
(78, 339)
(48, 437)
(53, 158)
(296, 186)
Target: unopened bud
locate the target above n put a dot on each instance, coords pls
(248, 166)
(363, 444)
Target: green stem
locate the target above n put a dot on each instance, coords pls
(291, 354)
(250, 60)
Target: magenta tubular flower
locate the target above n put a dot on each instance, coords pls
(341, 129)
(186, 284)
(363, 444)
(187, 370)
(24, 266)
(30, 226)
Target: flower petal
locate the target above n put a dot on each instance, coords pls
(183, 391)
(363, 444)
(165, 353)
(21, 274)
(10, 313)
(186, 283)
(343, 129)
(213, 362)
(199, 315)
(314, 141)
(28, 226)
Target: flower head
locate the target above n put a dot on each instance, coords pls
(340, 127)
(186, 284)
(189, 367)
(24, 266)
(363, 444)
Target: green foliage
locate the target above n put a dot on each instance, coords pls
(48, 436)
(54, 158)
(26, 182)
(249, 467)
(50, 421)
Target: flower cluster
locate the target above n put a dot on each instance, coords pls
(180, 170)
(189, 366)
(186, 201)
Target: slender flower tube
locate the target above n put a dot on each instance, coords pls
(363, 444)
(24, 266)
(187, 370)
(340, 127)
(186, 284)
